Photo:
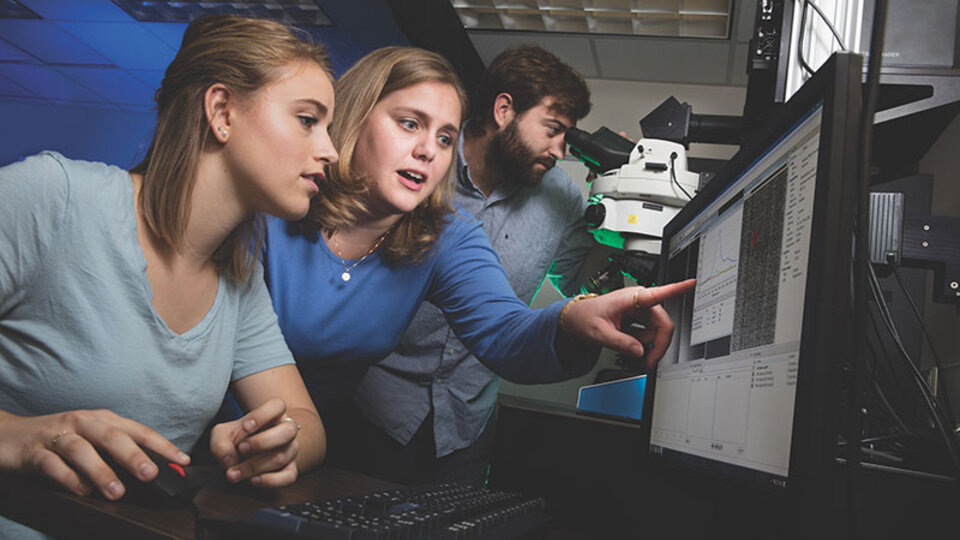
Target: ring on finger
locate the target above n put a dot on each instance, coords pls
(636, 299)
(56, 438)
(292, 419)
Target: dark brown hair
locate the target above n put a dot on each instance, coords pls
(244, 54)
(529, 74)
(343, 196)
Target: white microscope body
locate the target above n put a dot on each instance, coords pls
(639, 198)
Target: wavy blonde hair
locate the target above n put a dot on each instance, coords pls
(344, 196)
(244, 54)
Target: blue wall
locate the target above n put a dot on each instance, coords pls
(116, 137)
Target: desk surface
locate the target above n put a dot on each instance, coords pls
(66, 516)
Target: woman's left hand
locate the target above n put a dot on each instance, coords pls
(261, 446)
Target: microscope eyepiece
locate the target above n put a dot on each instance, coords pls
(600, 151)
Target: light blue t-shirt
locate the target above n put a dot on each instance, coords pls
(77, 326)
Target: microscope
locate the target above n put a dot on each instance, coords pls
(639, 187)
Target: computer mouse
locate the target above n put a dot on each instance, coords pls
(173, 485)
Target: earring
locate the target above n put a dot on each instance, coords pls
(223, 131)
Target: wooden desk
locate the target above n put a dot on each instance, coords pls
(55, 512)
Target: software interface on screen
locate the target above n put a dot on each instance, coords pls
(725, 389)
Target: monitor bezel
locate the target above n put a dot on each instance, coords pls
(837, 85)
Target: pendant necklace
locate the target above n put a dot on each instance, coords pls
(345, 276)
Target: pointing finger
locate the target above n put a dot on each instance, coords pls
(644, 298)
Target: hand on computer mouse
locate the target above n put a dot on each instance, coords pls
(67, 448)
(260, 446)
(172, 485)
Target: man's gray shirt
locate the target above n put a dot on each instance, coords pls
(536, 231)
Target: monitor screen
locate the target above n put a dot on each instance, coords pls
(725, 394)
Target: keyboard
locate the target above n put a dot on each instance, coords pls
(435, 512)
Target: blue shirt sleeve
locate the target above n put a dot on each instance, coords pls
(471, 288)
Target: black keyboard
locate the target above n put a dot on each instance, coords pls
(441, 512)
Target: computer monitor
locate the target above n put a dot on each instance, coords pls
(748, 386)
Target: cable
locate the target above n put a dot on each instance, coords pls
(890, 409)
(931, 402)
(673, 174)
(885, 438)
(888, 321)
(803, 23)
(900, 390)
(881, 455)
(826, 21)
(883, 396)
(891, 373)
(948, 408)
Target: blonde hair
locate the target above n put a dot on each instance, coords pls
(244, 54)
(344, 195)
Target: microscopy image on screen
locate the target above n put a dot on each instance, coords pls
(755, 315)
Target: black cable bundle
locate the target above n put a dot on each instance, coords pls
(944, 391)
(941, 416)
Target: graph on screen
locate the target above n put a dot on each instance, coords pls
(717, 271)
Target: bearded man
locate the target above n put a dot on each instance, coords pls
(429, 407)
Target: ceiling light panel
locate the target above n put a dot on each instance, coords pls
(676, 18)
(297, 12)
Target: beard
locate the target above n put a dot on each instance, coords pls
(515, 159)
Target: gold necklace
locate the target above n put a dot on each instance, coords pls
(345, 276)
